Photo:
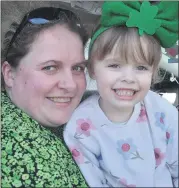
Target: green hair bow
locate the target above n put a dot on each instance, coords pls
(159, 19)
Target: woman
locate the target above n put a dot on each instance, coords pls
(43, 75)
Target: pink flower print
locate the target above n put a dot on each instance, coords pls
(127, 149)
(143, 115)
(169, 136)
(77, 155)
(159, 156)
(160, 116)
(123, 181)
(84, 127)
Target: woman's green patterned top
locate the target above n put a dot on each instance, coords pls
(32, 156)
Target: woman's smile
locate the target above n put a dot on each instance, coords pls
(60, 101)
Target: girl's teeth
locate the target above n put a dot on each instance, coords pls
(60, 99)
(124, 92)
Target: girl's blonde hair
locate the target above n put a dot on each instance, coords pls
(126, 44)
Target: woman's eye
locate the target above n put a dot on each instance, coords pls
(50, 68)
(141, 68)
(79, 68)
(114, 66)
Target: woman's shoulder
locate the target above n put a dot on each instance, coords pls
(35, 156)
(14, 118)
(19, 127)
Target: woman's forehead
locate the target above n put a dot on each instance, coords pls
(58, 45)
(57, 32)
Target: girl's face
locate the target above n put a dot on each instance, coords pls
(121, 84)
(50, 81)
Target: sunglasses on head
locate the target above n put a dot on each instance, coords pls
(42, 16)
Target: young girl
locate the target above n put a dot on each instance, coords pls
(127, 136)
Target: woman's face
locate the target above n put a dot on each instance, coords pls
(50, 80)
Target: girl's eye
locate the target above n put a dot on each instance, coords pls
(114, 66)
(79, 68)
(142, 68)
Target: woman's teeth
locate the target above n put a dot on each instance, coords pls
(60, 99)
(125, 92)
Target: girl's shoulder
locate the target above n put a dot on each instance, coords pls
(157, 102)
(89, 93)
(90, 99)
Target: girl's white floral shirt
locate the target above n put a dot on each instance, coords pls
(142, 152)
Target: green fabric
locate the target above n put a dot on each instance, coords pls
(32, 156)
(160, 20)
(148, 24)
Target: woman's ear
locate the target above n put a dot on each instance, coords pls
(8, 74)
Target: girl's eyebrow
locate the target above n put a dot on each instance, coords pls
(117, 61)
(112, 60)
(142, 63)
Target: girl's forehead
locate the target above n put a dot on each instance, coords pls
(122, 59)
(128, 49)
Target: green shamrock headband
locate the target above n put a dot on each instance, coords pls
(159, 19)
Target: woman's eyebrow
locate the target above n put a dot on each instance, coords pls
(61, 63)
(81, 63)
(49, 61)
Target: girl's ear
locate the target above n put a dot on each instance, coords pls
(8, 74)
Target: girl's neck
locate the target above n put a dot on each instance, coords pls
(116, 115)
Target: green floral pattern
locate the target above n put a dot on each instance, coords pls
(32, 156)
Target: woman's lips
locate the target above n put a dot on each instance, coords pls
(60, 101)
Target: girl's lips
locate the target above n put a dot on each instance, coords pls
(126, 89)
(125, 94)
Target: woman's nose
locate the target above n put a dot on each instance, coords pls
(67, 81)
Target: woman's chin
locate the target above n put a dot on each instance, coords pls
(59, 120)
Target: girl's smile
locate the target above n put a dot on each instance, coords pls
(125, 94)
